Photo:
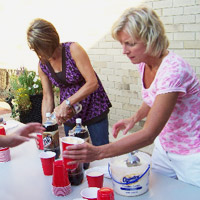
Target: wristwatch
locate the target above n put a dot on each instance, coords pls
(68, 103)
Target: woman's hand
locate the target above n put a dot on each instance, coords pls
(81, 153)
(129, 123)
(23, 134)
(124, 124)
(63, 113)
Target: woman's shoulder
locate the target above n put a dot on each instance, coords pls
(174, 64)
(174, 59)
(174, 70)
(72, 46)
(68, 48)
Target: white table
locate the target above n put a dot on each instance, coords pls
(22, 178)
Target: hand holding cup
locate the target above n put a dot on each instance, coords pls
(68, 141)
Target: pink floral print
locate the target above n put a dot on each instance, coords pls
(181, 134)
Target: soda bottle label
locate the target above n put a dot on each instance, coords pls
(50, 140)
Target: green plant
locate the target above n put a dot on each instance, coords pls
(23, 83)
(27, 80)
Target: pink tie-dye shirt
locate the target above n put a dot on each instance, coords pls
(181, 134)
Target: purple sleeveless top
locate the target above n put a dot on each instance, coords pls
(95, 107)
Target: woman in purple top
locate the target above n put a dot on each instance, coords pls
(67, 66)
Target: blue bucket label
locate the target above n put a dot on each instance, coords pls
(135, 188)
(128, 180)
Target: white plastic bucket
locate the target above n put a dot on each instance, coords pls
(130, 181)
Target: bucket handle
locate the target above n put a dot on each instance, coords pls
(135, 180)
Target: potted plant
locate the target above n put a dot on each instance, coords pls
(25, 96)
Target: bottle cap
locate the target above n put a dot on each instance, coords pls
(78, 120)
(48, 114)
(105, 193)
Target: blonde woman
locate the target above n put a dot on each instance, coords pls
(171, 102)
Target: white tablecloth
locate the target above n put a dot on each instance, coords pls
(22, 178)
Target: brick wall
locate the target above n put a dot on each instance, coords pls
(120, 77)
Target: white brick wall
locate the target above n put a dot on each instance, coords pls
(121, 78)
(184, 36)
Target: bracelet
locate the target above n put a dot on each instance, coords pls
(68, 103)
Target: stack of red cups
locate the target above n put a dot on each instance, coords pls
(4, 151)
(60, 181)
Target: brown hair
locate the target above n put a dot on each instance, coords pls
(43, 38)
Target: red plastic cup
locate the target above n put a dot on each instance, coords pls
(68, 141)
(47, 159)
(90, 193)
(60, 181)
(39, 141)
(60, 175)
(5, 151)
(94, 178)
(105, 193)
(5, 154)
(2, 130)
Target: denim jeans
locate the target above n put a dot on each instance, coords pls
(98, 132)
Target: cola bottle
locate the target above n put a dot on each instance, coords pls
(80, 131)
(76, 175)
(51, 135)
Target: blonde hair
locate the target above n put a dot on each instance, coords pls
(144, 24)
(43, 38)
